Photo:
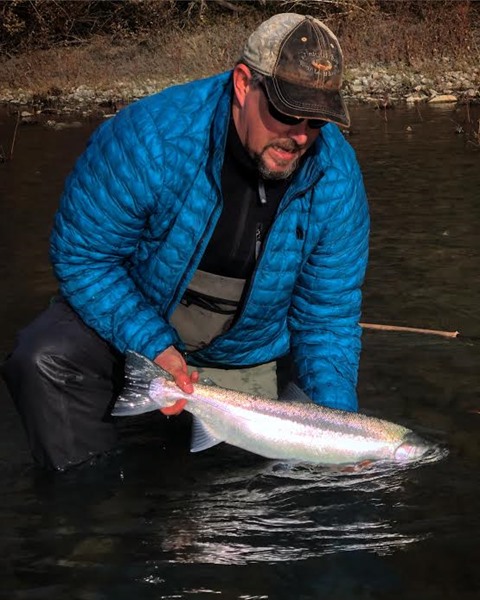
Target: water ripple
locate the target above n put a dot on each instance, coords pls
(292, 513)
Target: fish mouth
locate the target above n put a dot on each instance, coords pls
(413, 448)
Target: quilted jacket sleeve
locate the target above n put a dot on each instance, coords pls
(327, 301)
(103, 213)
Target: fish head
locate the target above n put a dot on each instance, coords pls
(413, 448)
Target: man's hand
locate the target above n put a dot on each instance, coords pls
(173, 362)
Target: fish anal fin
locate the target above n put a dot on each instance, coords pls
(202, 437)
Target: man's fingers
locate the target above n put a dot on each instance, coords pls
(174, 363)
(184, 383)
(175, 408)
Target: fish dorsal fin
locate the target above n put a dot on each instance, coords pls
(202, 437)
(292, 393)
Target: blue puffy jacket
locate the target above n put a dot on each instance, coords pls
(138, 211)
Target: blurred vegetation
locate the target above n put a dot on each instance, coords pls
(382, 30)
(135, 47)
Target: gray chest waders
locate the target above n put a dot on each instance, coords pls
(207, 309)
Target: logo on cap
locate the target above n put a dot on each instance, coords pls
(322, 66)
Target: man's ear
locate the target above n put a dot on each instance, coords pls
(241, 82)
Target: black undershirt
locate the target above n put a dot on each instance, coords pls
(245, 219)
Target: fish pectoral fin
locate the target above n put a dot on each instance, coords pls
(202, 437)
(292, 393)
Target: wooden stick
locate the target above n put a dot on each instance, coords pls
(14, 136)
(447, 334)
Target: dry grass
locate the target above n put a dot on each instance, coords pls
(165, 57)
(370, 34)
(436, 31)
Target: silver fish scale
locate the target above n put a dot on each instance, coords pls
(305, 413)
(286, 430)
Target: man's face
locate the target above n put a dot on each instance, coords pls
(275, 146)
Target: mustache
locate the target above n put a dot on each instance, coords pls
(286, 144)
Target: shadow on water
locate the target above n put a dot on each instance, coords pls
(155, 521)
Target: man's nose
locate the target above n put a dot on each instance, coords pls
(299, 133)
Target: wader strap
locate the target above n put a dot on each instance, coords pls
(207, 308)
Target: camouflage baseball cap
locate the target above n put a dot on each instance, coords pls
(303, 66)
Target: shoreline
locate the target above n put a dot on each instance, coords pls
(391, 57)
(379, 86)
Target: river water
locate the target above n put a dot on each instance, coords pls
(158, 523)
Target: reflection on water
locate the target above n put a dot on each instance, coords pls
(214, 520)
(267, 515)
(259, 513)
(157, 522)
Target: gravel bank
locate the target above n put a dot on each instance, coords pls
(378, 86)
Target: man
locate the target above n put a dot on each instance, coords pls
(222, 222)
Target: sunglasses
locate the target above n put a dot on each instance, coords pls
(287, 119)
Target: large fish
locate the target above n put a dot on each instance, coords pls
(294, 429)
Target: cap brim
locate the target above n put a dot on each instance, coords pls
(307, 103)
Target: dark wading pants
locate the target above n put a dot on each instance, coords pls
(64, 380)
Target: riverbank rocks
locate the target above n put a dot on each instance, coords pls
(28, 118)
(415, 98)
(379, 85)
(406, 85)
(443, 99)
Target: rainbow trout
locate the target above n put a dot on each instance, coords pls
(293, 429)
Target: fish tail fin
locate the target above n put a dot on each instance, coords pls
(135, 397)
(139, 367)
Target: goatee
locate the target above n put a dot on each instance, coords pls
(274, 174)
